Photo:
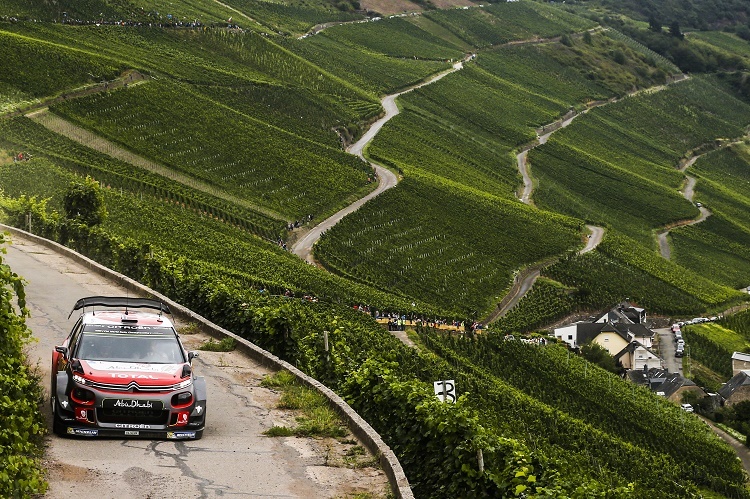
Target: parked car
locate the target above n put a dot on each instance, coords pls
(125, 373)
(687, 408)
(679, 352)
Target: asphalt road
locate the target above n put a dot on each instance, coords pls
(666, 350)
(233, 458)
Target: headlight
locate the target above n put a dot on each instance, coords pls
(184, 384)
(79, 379)
(182, 399)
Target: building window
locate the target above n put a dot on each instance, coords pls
(570, 336)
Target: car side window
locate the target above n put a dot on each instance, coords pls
(74, 335)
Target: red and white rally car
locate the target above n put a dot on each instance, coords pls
(124, 373)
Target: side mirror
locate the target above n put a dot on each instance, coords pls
(191, 356)
(62, 350)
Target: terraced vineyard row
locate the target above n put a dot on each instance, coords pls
(396, 37)
(620, 267)
(612, 185)
(374, 72)
(436, 241)
(21, 134)
(247, 157)
(53, 70)
(504, 22)
(719, 246)
(526, 382)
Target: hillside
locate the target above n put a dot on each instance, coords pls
(217, 144)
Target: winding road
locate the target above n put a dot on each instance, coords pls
(688, 192)
(387, 179)
(525, 279)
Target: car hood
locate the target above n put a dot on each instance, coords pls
(126, 372)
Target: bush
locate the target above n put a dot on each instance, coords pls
(21, 423)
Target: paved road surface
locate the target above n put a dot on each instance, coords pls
(666, 350)
(233, 458)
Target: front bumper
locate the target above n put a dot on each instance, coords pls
(161, 420)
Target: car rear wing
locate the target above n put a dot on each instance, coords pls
(120, 301)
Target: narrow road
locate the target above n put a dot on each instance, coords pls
(387, 179)
(688, 192)
(667, 349)
(233, 459)
(597, 234)
(525, 279)
(739, 447)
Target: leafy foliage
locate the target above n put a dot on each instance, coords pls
(268, 166)
(84, 202)
(442, 252)
(713, 345)
(38, 68)
(620, 267)
(22, 428)
(548, 395)
(623, 175)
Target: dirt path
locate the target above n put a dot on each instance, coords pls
(129, 77)
(387, 179)
(96, 142)
(594, 239)
(743, 453)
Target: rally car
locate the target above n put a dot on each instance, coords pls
(123, 372)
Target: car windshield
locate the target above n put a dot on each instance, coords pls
(154, 346)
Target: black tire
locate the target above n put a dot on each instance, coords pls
(58, 427)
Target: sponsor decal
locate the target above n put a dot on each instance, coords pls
(139, 426)
(131, 404)
(108, 365)
(132, 433)
(131, 376)
(155, 405)
(182, 418)
(174, 435)
(198, 409)
(83, 432)
(129, 328)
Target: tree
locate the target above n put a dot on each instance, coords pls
(674, 30)
(654, 25)
(84, 202)
(596, 354)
